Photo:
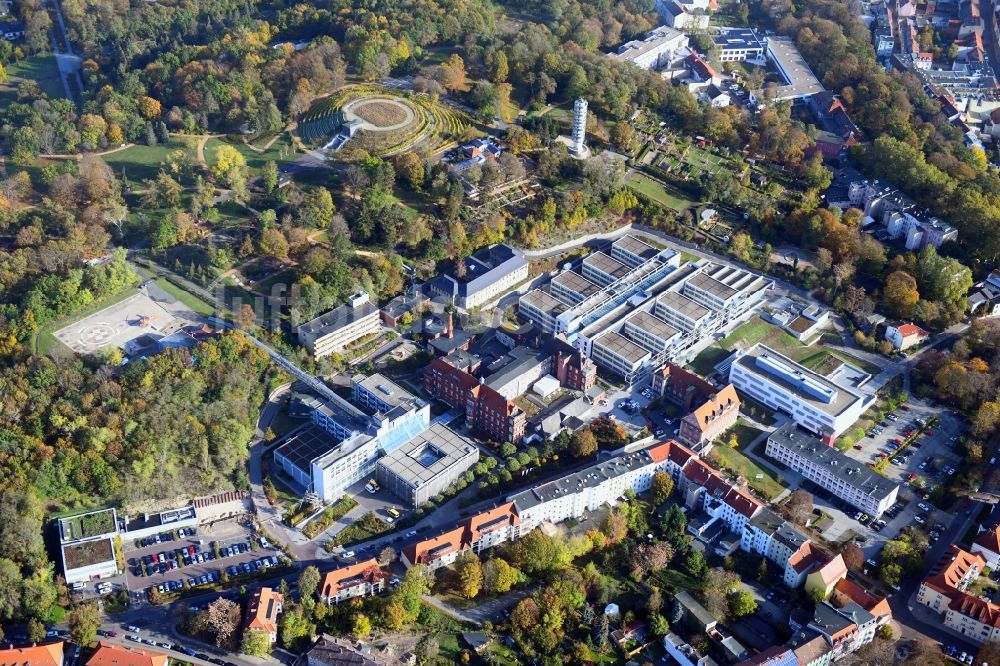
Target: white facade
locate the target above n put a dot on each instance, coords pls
(658, 48)
(828, 468)
(338, 328)
(579, 126)
(811, 400)
(587, 490)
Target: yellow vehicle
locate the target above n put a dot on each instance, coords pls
(392, 512)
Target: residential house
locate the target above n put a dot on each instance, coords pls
(329, 651)
(45, 654)
(776, 655)
(262, 612)
(984, 298)
(821, 580)
(944, 591)
(109, 654)
(904, 335)
(697, 616)
(363, 579)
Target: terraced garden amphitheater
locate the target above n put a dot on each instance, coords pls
(391, 121)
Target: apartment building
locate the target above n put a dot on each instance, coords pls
(712, 418)
(769, 535)
(477, 533)
(262, 612)
(573, 495)
(332, 332)
(851, 481)
(813, 401)
(364, 579)
(45, 654)
(987, 546)
(426, 465)
(109, 654)
(944, 591)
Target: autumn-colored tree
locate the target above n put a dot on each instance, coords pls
(498, 67)
(362, 626)
(525, 615)
(451, 73)
(854, 556)
(84, 621)
(148, 107)
(583, 444)
(227, 158)
(900, 293)
(662, 488)
(273, 243)
(222, 618)
(470, 575)
(411, 168)
(799, 506)
(615, 526)
(499, 576)
(621, 135)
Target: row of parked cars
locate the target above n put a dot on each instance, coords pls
(176, 648)
(248, 567)
(162, 537)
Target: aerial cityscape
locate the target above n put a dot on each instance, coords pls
(499, 332)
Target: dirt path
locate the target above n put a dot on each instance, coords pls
(267, 146)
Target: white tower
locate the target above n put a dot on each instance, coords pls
(579, 126)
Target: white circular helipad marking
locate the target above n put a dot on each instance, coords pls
(97, 334)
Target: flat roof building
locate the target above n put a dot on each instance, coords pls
(658, 48)
(572, 288)
(600, 268)
(738, 45)
(618, 354)
(812, 400)
(681, 312)
(650, 332)
(427, 464)
(632, 251)
(541, 309)
(827, 467)
(332, 332)
(802, 82)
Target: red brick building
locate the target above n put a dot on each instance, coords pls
(681, 387)
(571, 367)
(486, 411)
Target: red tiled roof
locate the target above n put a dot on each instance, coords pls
(742, 502)
(483, 523)
(908, 329)
(349, 576)
(49, 654)
(108, 654)
(724, 400)
(949, 571)
(802, 559)
(262, 613)
(990, 540)
(978, 609)
(877, 606)
(431, 549)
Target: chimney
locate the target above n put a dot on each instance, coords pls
(451, 326)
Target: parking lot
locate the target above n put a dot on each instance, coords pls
(174, 561)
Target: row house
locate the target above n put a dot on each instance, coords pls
(476, 533)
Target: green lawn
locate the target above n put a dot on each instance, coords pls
(40, 68)
(761, 479)
(281, 151)
(141, 162)
(45, 340)
(656, 191)
(195, 303)
(285, 277)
